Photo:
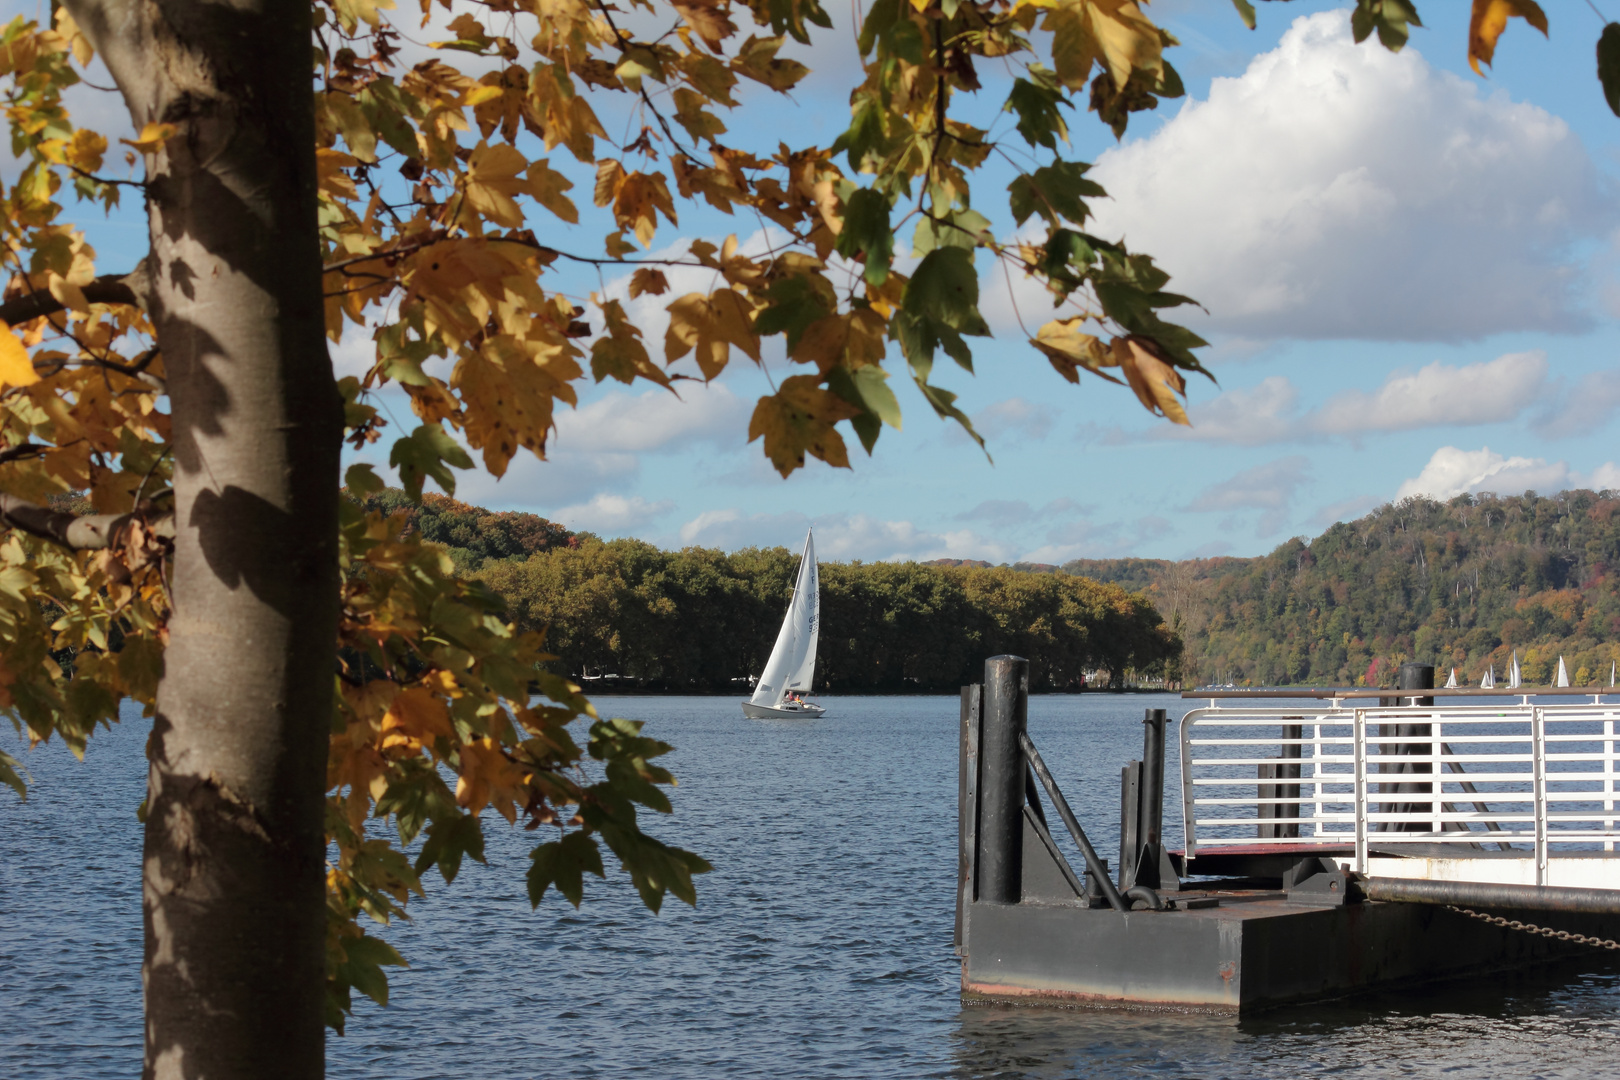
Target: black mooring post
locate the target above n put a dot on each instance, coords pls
(1001, 780)
(967, 808)
(1412, 676)
(1151, 825)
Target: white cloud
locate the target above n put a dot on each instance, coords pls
(840, 536)
(1439, 396)
(1452, 471)
(1018, 512)
(1259, 414)
(1343, 191)
(633, 423)
(613, 515)
(563, 479)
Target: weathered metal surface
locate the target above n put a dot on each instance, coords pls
(1001, 779)
(1048, 877)
(1243, 956)
(1492, 895)
(1094, 866)
(1130, 822)
(967, 806)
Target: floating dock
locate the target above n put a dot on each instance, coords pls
(1361, 841)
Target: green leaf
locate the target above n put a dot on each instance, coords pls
(1039, 121)
(959, 228)
(795, 303)
(945, 289)
(427, 453)
(1608, 61)
(1245, 12)
(563, 863)
(867, 135)
(9, 769)
(867, 235)
(867, 387)
(362, 480)
(1056, 192)
(362, 966)
(448, 839)
(1389, 17)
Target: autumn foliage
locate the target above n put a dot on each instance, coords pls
(440, 180)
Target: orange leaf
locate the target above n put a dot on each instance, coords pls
(1490, 18)
(1156, 382)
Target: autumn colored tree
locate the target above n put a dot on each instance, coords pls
(311, 668)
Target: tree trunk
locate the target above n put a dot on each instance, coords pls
(234, 853)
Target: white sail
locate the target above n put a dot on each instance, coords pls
(1513, 672)
(1563, 674)
(808, 594)
(793, 657)
(1489, 681)
(1451, 683)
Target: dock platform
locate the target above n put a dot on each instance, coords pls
(1492, 828)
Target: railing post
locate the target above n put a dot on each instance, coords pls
(1538, 788)
(1359, 734)
(967, 803)
(1001, 780)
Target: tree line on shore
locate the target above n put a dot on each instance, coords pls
(1465, 583)
(701, 619)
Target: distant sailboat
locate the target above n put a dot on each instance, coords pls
(1563, 674)
(793, 659)
(1451, 683)
(1513, 672)
(1489, 681)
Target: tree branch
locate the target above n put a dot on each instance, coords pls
(91, 532)
(107, 289)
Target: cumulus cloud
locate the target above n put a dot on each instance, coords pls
(1440, 396)
(612, 514)
(1340, 191)
(562, 480)
(654, 420)
(840, 536)
(1452, 471)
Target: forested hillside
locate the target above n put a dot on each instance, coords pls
(1460, 585)
(703, 619)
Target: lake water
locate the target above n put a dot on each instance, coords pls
(820, 946)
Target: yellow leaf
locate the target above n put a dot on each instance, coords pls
(152, 136)
(547, 186)
(1156, 382)
(711, 325)
(650, 281)
(16, 369)
(640, 199)
(415, 717)
(482, 93)
(493, 177)
(620, 354)
(83, 52)
(1069, 350)
(1490, 18)
(610, 177)
(798, 418)
(509, 388)
(487, 777)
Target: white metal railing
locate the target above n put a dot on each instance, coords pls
(1528, 777)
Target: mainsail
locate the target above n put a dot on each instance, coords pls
(793, 659)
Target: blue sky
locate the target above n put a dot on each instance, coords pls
(1412, 278)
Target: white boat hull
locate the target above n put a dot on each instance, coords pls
(804, 711)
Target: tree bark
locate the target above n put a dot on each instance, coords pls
(233, 882)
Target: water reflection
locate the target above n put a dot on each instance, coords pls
(1557, 1022)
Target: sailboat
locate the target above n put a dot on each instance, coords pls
(1563, 674)
(793, 659)
(1513, 672)
(1451, 683)
(1489, 681)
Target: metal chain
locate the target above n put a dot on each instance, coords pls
(1532, 928)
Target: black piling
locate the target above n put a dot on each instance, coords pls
(1412, 676)
(1001, 780)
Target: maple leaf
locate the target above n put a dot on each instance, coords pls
(1489, 18)
(1069, 349)
(799, 418)
(648, 281)
(711, 325)
(415, 717)
(16, 368)
(488, 777)
(620, 354)
(1155, 381)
